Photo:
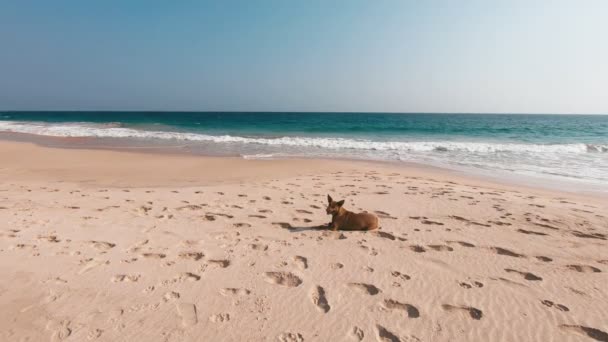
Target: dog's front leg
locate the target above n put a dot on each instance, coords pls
(333, 225)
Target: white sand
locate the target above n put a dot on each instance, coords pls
(111, 246)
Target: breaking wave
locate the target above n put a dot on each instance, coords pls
(116, 131)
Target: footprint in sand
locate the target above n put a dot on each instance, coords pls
(221, 215)
(372, 251)
(302, 211)
(384, 215)
(301, 262)
(284, 225)
(258, 247)
(504, 251)
(475, 313)
(170, 296)
(429, 222)
(336, 266)
(465, 285)
(598, 236)
(290, 337)
(219, 318)
(48, 238)
(258, 216)
(186, 276)
(365, 288)
(221, 263)
(531, 232)
(125, 278)
(417, 249)
(143, 209)
(190, 243)
(384, 335)
(400, 275)
(226, 292)
(583, 268)
(190, 207)
(94, 334)
(115, 315)
(102, 245)
(91, 264)
(187, 311)
(319, 298)
(333, 235)
(410, 310)
(385, 235)
(468, 286)
(242, 225)
(60, 329)
(593, 333)
(463, 243)
(441, 248)
(153, 255)
(137, 246)
(526, 275)
(191, 255)
(356, 333)
(550, 304)
(283, 278)
(543, 258)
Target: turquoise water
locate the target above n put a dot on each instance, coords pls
(558, 147)
(552, 129)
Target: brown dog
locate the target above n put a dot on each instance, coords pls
(342, 219)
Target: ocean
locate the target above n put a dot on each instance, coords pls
(569, 148)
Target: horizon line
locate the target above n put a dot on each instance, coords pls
(278, 111)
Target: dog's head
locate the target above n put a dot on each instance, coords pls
(333, 207)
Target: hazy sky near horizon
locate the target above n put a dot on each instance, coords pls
(509, 56)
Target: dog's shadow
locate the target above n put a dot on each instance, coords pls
(297, 229)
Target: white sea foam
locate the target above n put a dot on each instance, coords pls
(576, 162)
(113, 131)
(260, 156)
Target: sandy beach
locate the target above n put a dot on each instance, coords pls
(121, 246)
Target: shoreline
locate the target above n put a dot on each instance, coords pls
(420, 169)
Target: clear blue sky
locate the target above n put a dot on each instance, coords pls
(403, 56)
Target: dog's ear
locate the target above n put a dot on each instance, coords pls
(329, 199)
(340, 203)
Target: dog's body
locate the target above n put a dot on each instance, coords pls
(342, 219)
